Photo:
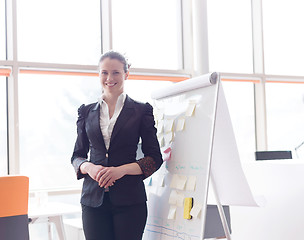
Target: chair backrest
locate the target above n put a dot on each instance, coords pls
(14, 194)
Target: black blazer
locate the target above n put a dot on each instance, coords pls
(134, 122)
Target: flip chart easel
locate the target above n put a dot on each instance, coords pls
(193, 121)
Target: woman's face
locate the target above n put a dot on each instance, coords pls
(112, 76)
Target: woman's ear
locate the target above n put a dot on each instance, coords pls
(127, 75)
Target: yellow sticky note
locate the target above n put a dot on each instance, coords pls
(172, 211)
(187, 207)
(195, 211)
(191, 183)
(190, 109)
(180, 124)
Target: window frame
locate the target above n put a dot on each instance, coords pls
(11, 67)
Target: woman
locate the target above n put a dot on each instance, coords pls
(113, 196)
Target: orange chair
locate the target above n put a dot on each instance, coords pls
(14, 192)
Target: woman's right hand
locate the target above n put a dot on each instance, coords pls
(91, 169)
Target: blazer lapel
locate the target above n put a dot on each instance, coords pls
(123, 117)
(95, 124)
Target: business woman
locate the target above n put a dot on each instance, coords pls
(113, 195)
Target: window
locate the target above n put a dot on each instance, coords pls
(47, 114)
(2, 30)
(285, 117)
(283, 39)
(59, 31)
(3, 127)
(149, 32)
(141, 90)
(230, 36)
(240, 101)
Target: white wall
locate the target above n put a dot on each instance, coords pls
(282, 218)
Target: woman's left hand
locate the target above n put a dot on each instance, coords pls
(108, 175)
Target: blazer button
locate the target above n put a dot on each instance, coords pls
(107, 155)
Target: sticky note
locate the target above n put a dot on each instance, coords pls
(150, 182)
(159, 114)
(168, 138)
(190, 109)
(168, 125)
(181, 182)
(195, 211)
(174, 181)
(166, 154)
(172, 211)
(180, 124)
(191, 183)
(173, 197)
(160, 126)
(161, 140)
(180, 199)
(178, 181)
(161, 180)
(187, 207)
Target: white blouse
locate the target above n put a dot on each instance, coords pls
(107, 124)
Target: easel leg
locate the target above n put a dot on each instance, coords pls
(221, 210)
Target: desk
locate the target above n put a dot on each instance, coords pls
(52, 213)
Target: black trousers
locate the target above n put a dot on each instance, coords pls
(108, 222)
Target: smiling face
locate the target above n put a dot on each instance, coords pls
(112, 76)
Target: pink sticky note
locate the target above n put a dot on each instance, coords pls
(167, 154)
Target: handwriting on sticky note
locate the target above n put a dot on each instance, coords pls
(190, 109)
(195, 211)
(172, 212)
(191, 183)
